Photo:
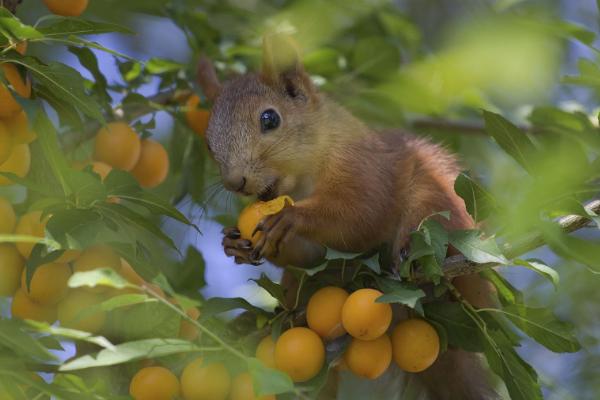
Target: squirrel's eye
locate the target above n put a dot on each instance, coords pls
(269, 120)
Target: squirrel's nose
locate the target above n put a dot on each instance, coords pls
(235, 183)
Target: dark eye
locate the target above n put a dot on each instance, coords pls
(269, 120)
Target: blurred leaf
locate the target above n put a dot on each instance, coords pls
(14, 339)
(131, 351)
(142, 321)
(508, 293)
(98, 277)
(541, 268)
(66, 333)
(12, 26)
(543, 326)
(125, 300)
(375, 57)
(189, 276)
(474, 248)
(217, 305)
(59, 26)
(480, 203)
(161, 66)
(512, 140)
(267, 380)
(584, 251)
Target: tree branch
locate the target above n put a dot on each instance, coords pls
(458, 265)
(10, 5)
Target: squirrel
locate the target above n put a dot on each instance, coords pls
(273, 133)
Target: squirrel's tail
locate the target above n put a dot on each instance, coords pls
(458, 375)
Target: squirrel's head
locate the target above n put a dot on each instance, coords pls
(263, 125)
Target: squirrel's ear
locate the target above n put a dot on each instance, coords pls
(282, 66)
(208, 79)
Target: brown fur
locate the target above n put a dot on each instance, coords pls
(355, 188)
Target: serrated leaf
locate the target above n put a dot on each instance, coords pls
(512, 140)
(131, 351)
(474, 248)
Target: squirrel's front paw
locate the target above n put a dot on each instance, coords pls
(240, 249)
(275, 230)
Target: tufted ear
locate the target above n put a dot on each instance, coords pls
(208, 79)
(282, 66)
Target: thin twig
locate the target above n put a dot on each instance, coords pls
(458, 265)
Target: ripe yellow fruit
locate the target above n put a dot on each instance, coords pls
(300, 353)
(187, 330)
(17, 163)
(363, 318)
(8, 218)
(154, 383)
(11, 267)
(478, 291)
(49, 283)
(66, 8)
(21, 85)
(265, 351)
(74, 311)
(25, 308)
(153, 166)
(256, 212)
(6, 143)
(369, 359)
(324, 312)
(117, 145)
(197, 118)
(31, 224)
(201, 381)
(102, 169)
(243, 389)
(97, 257)
(19, 128)
(415, 344)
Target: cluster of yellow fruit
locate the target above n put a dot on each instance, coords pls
(48, 297)
(117, 145)
(15, 132)
(200, 380)
(196, 117)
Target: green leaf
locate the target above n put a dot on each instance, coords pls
(436, 236)
(375, 57)
(131, 351)
(399, 292)
(12, 26)
(161, 66)
(512, 140)
(156, 205)
(125, 300)
(508, 293)
(99, 277)
(520, 379)
(74, 228)
(267, 380)
(462, 331)
(145, 320)
(541, 268)
(76, 26)
(88, 60)
(73, 334)
(188, 277)
(474, 248)
(480, 203)
(14, 338)
(584, 251)
(217, 305)
(65, 82)
(271, 287)
(543, 326)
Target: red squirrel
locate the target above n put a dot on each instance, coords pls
(273, 133)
